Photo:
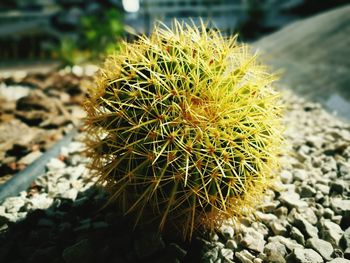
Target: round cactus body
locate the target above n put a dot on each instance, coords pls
(184, 126)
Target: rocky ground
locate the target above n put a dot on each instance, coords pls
(35, 111)
(305, 218)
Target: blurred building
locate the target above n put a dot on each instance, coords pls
(223, 14)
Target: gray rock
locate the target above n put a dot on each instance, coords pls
(328, 213)
(324, 189)
(13, 204)
(309, 214)
(70, 194)
(297, 235)
(345, 239)
(231, 244)
(265, 218)
(301, 255)
(269, 207)
(278, 228)
(281, 212)
(226, 253)
(300, 175)
(331, 232)
(83, 251)
(244, 256)
(275, 252)
(292, 200)
(340, 206)
(339, 260)
(323, 247)
(307, 191)
(227, 231)
(286, 177)
(305, 227)
(253, 240)
(146, 244)
(211, 255)
(55, 164)
(287, 242)
(337, 219)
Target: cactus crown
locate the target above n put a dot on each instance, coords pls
(184, 125)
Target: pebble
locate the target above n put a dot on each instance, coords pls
(321, 246)
(244, 256)
(304, 255)
(292, 200)
(275, 252)
(253, 240)
(331, 232)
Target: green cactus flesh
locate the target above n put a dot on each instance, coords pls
(184, 126)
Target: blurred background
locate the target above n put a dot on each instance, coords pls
(74, 31)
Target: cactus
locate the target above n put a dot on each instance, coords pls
(184, 127)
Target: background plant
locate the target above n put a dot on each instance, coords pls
(184, 128)
(98, 36)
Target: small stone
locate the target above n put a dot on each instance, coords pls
(244, 256)
(337, 219)
(211, 255)
(81, 251)
(328, 213)
(309, 215)
(301, 255)
(70, 194)
(269, 207)
(277, 228)
(305, 227)
(324, 189)
(345, 239)
(265, 218)
(227, 231)
(281, 212)
(307, 191)
(299, 175)
(286, 177)
(226, 253)
(292, 199)
(253, 240)
(231, 244)
(290, 244)
(297, 235)
(275, 252)
(339, 260)
(331, 232)
(323, 247)
(55, 164)
(340, 206)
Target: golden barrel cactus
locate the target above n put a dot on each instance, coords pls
(184, 127)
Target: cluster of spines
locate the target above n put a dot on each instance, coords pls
(184, 125)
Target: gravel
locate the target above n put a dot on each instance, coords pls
(305, 218)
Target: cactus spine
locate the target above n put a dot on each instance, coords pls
(184, 126)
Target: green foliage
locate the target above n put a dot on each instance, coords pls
(97, 37)
(184, 128)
